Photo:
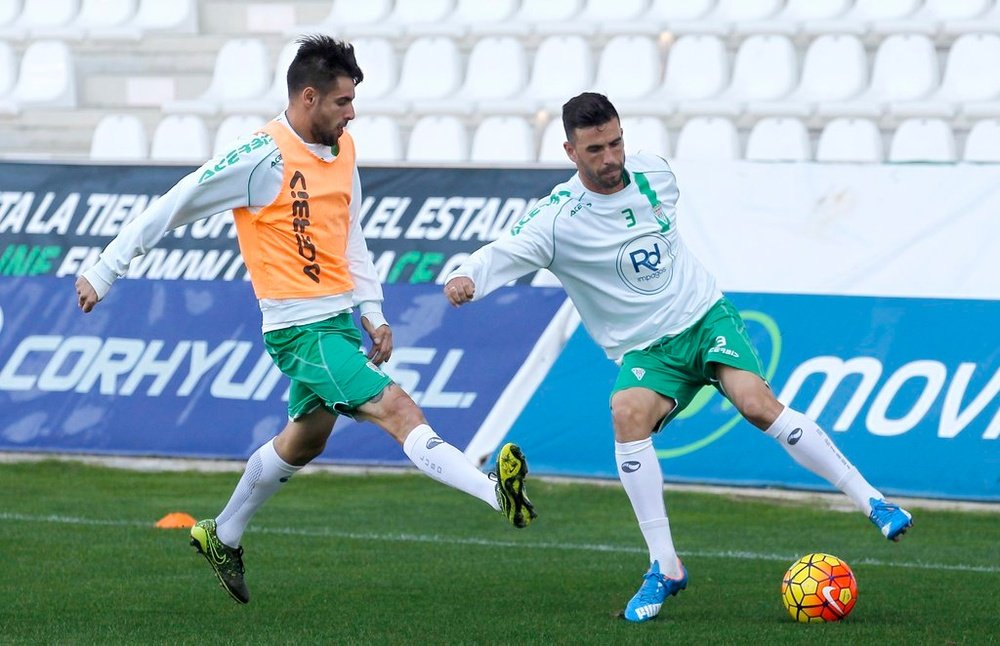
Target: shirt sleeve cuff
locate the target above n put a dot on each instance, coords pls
(100, 278)
(372, 310)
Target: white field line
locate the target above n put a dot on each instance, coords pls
(522, 545)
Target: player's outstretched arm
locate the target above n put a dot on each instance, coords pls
(459, 290)
(86, 295)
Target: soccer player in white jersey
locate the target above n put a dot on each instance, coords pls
(610, 235)
(310, 267)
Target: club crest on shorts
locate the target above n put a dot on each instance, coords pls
(639, 373)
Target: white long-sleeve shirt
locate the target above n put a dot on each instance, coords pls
(249, 177)
(619, 257)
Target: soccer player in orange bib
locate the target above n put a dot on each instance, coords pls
(295, 194)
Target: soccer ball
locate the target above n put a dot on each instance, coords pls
(819, 587)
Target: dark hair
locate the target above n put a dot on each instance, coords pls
(318, 63)
(586, 110)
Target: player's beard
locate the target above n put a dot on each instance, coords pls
(326, 137)
(608, 177)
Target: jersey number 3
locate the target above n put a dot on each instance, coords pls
(629, 218)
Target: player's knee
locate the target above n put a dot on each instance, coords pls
(631, 419)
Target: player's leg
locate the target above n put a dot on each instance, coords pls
(636, 412)
(267, 470)
(809, 446)
(394, 411)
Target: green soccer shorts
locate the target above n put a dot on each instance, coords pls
(327, 366)
(679, 366)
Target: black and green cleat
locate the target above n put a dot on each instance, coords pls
(510, 472)
(227, 562)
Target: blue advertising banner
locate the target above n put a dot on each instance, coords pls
(178, 368)
(909, 389)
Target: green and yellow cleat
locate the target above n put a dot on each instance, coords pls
(510, 472)
(227, 562)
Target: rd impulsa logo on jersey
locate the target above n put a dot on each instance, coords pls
(645, 264)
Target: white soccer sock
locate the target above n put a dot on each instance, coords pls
(446, 464)
(641, 475)
(263, 476)
(812, 448)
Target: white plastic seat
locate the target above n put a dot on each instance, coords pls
(835, 68)
(697, 67)
(405, 16)
(486, 81)
(376, 139)
(983, 142)
(972, 73)
(932, 15)
(862, 16)
(233, 127)
(180, 138)
(552, 80)
(637, 54)
(594, 16)
(8, 68)
(380, 64)
(241, 72)
(42, 19)
(476, 16)
(778, 139)
(503, 139)
(708, 138)
(794, 15)
(275, 98)
(94, 17)
(346, 15)
(534, 13)
(850, 140)
(550, 149)
(905, 69)
(661, 16)
(153, 16)
(438, 138)
(431, 71)
(119, 137)
(766, 68)
(9, 12)
(727, 16)
(984, 17)
(645, 133)
(46, 77)
(923, 140)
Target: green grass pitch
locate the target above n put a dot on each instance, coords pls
(400, 559)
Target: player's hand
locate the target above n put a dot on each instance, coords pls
(381, 337)
(86, 296)
(459, 290)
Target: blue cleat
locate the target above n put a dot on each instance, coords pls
(653, 592)
(892, 520)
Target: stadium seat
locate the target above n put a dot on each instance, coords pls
(242, 71)
(380, 64)
(662, 15)
(983, 142)
(594, 15)
(778, 139)
(95, 17)
(966, 78)
(697, 68)
(860, 19)
(431, 71)
(485, 80)
(154, 16)
(8, 69)
(932, 16)
(645, 133)
(850, 140)
(552, 79)
(984, 17)
(344, 16)
(923, 140)
(403, 17)
(180, 138)
(533, 14)
(727, 15)
(835, 68)
(503, 139)
(766, 68)
(905, 69)
(9, 12)
(438, 138)
(480, 17)
(790, 20)
(232, 128)
(275, 98)
(708, 138)
(376, 139)
(550, 150)
(119, 137)
(638, 55)
(41, 19)
(46, 77)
